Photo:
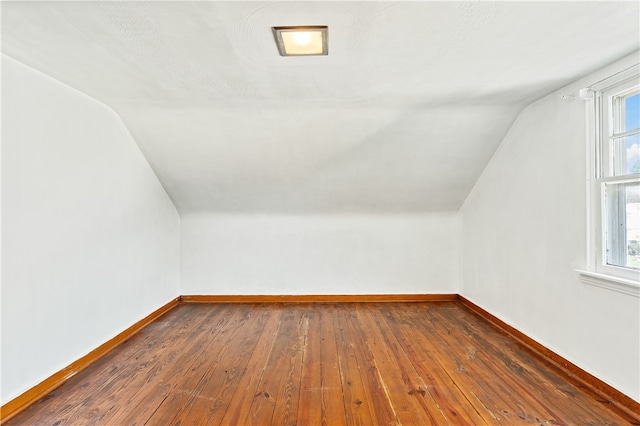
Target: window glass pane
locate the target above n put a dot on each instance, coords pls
(625, 109)
(623, 224)
(632, 112)
(625, 155)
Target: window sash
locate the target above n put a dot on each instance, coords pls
(610, 118)
(614, 227)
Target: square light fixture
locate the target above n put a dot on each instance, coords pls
(302, 41)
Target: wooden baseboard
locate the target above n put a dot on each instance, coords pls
(23, 401)
(319, 298)
(612, 396)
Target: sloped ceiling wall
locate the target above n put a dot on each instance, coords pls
(402, 116)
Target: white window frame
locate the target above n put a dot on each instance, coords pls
(599, 115)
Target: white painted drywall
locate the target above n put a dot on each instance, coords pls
(522, 233)
(319, 254)
(90, 240)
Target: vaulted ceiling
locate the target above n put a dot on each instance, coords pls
(401, 116)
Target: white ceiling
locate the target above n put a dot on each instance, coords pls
(402, 116)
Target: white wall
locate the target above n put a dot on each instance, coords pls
(90, 241)
(323, 254)
(523, 232)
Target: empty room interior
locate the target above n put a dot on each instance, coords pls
(279, 213)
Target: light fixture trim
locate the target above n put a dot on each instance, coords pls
(320, 49)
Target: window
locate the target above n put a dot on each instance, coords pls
(614, 107)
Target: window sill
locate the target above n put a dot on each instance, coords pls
(610, 282)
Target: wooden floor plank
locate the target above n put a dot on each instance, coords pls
(456, 395)
(310, 400)
(376, 398)
(288, 395)
(402, 385)
(225, 357)
(426, 360)
(446, 367)
(358, 410)
(494, 379)
(332, 400)
(434, 396)
(238, 410)
(525, 368)
(233, 367)
(489, 357)
(120, 376)
(264, 403)
(330, 364)
(166, 388)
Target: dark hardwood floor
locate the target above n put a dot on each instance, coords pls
(329, 364)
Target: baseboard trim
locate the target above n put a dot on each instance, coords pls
(23, 401)
(617, 400)
(318, 298)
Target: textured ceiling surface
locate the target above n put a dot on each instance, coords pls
(402, 116)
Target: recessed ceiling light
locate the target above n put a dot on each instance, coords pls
(302, 41)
